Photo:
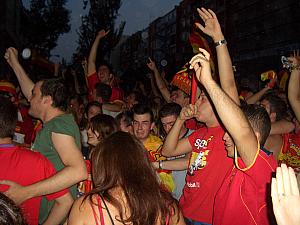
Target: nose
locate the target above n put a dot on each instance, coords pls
(139, 126)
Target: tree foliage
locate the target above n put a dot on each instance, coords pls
(102, 15)
(43, 23)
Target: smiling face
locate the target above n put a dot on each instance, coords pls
(142, 126)
(229, 145)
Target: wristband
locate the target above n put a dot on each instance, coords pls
(221, 42)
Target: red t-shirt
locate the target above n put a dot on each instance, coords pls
(242, 198)
(116, 94)
(290, 152)
(207, 169)
(26, 167)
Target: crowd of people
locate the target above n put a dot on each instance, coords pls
(115, 157)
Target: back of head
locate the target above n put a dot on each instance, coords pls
(91, 104)
(121, 161)
(10, 213)
(140, 109)
(8, 118)
(259, 120)
(277, 105)
(126, 116)
(170, 109)
(57, 90)
(104, 91)
(104, 124)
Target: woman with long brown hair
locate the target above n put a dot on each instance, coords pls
(126, 188)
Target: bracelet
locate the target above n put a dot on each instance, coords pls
(160, 164)
(221, 42)
(295, 68)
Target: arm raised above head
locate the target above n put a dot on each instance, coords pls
(213, 29)
(11, 56)
(91, 66)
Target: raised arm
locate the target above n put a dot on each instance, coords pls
(172, 145)
(294, 85)
(11, 56)
(91, 67)
(159, 81)
(213, 29)
(229, 112)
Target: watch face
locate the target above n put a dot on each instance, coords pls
(26, 53)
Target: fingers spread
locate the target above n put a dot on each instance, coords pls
(206, 13)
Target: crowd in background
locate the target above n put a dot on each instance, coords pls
(173, 154)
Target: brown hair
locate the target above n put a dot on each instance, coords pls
(105, 125)
(121, 161)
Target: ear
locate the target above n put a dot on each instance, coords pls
(47, 100)
(257, 134)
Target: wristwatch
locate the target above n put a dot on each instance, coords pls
(221, 42)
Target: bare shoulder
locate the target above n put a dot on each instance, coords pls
(81, 212)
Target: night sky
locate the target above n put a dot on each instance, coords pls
(137, 14)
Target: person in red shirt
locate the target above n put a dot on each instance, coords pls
(208, 163)
(18, 164)
(103, 74)
(244, 190)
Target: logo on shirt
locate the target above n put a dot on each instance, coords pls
(193, 184)
(198, 159)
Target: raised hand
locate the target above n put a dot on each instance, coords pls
(151, 65)
(200, 63)
(285, 196)
(11, 56)
(102, 33)
(295, 59)
(212, 26)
